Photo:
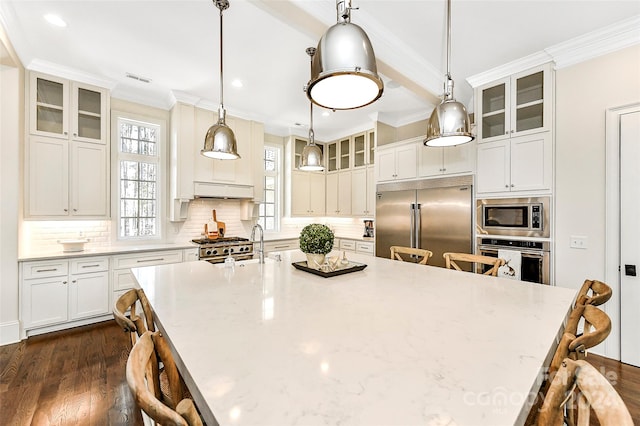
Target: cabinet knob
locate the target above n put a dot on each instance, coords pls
(74, 281)
(75, 210)
(512, 131)
(506, 186)
(512, 185)
(66, 210)
(75, 134)
(65, 133)
(64, 282)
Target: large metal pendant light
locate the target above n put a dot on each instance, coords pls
(311, 159)
(344, 74)
(449, 121)
(220, 142)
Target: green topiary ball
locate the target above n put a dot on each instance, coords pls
(316, 239)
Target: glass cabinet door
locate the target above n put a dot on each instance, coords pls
(494, 111)
(298, 146)
(344, 153)
(88, 114)
(332, 157)
(359, 150)
(372, 147)
(50, 105)
(529, 102)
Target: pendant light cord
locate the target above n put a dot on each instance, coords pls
(221, 69)
(448, 38)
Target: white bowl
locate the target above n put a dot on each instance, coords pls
(73, 245)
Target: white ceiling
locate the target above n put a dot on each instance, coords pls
(175, 44)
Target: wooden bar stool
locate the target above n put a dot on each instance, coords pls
(450, 260)
(135, 324)
(593, 292)
(423, 253)
(596, 326)
(593, 392)
(143, 379)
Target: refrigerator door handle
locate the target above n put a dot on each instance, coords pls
(413, 224)
(418, 226)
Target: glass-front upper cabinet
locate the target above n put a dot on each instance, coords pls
(66, 109)
(332, 157)
(298, 147)
(359, 150)
(516, 105)
(345, 153)
(372, 145)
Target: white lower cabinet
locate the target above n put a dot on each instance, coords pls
(190, 254)
(279, 245)
(121, 267)
(56, 292)
(363, 247)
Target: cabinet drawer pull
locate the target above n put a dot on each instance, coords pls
(280, 247)
(47, 270)
(150, 260)
(64, 282)
(91, 266)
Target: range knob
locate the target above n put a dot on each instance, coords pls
(208, 252)
(226, 251)
(231, 250)
(215, 252)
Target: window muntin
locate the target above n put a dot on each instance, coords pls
(268, 210)
(138, 179)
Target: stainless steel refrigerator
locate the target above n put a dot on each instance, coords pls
(433, 214)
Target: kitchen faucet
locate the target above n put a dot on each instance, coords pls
(253, 239)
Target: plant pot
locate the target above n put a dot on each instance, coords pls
(315, 260)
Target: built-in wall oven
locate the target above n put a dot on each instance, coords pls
(535, 255)
(518, 224)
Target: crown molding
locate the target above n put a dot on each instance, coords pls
(513, 67)
(184, 98)
(70, 73)
(597, 43)
(159, 99)
(614, 37)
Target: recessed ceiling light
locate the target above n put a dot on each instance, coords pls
(236, 83)
(55, 20)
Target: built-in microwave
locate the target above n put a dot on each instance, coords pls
(516, 217)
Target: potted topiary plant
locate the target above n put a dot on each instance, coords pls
(316, 240)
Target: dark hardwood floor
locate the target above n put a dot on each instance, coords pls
(77, 377)
(71, 377)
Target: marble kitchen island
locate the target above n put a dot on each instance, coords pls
(394, 344)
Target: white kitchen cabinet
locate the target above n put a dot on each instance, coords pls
(61, 291)
(307, 194)
(339, 154)
(396, 161)
(67, 179)
(190, 254)
(514, 165)
(365, 247)
(363, 192)
(339, 192)
(66, 109)
(436, 161)
(363, 149)
(278, 245)
(517, 105)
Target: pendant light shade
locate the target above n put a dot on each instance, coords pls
(344, 74)
(311, 158)
(449, 123)
(220, 142)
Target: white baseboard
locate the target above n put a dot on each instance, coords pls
(9, 332)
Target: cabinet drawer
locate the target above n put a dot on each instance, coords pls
(52, 268)
(280, 245)
(92, 264)
(364, 247)
(147, 259)
(347, 245)
(122, 280)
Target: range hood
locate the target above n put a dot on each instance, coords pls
(222, 190)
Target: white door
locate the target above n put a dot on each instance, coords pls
(630, 238)
(493, 167)
(89, 179)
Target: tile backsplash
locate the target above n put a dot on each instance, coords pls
(44, 235)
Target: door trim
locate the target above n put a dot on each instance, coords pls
(612, 223)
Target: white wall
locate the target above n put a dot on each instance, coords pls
(584, 92)
(11, 134)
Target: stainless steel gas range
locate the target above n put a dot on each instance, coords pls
(217, 250)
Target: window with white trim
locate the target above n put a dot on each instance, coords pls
(269, 209)
(138, 168)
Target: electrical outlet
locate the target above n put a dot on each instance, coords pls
(578, 241)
